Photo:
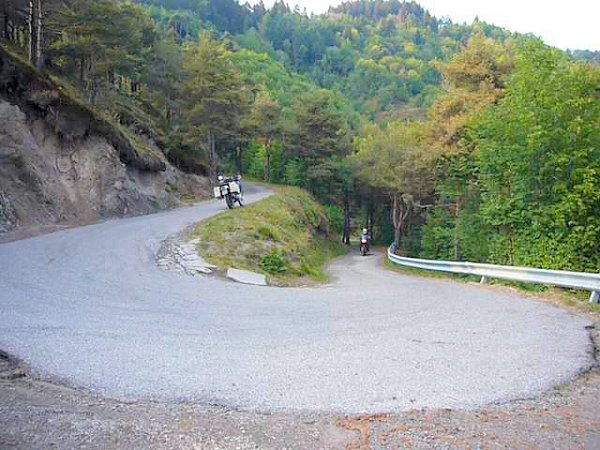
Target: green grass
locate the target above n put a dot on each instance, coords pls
(286, 237)
(571, 298)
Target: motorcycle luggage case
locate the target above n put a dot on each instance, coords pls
(217, 192)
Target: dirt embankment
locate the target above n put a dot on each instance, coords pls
(63, 163)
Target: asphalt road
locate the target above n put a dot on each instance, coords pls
(89, 307)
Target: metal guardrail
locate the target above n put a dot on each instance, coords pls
(577, 280)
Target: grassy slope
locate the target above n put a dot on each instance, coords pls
(285, 237)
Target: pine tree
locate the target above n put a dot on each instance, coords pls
(215, 96)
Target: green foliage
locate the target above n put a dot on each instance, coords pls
(483, 61)
(336, 218)
(96, 51)
(356, 65)
(214, 97)
(213, 90)
(396, 160)
(503, 167)
(274, 262)
(188, 15)
(522, 186)
(539, 158)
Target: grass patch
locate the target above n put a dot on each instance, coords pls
(286, 237)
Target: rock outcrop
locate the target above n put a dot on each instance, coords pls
(62, 164)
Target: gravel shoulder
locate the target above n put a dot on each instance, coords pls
(40, 415)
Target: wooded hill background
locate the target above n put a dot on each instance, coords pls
(459, 141)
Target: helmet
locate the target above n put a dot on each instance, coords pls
(220, 178)
(364, 230)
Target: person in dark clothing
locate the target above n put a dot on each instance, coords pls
(366, 235)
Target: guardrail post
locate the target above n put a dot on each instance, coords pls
(484, 280)
(595, 297)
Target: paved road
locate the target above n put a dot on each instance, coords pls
(89, 307)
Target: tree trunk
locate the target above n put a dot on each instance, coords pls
(168, 113)
(397, 236)
(239, 157)
(82, 73)
(346, 233)
(8, 29)
(35, 33)
(395, 221)
(456, 238)
(212, 157)
(17, 35)
(371, 220)
(5, 34)
(93, 91)
(39, 55)
(400, 211)
(510, 248)
(268, 166)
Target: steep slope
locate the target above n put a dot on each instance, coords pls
(63, 162)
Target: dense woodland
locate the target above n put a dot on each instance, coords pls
(457, 141)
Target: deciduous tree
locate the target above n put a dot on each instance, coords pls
(395, 158)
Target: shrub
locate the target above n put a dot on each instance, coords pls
(274, 262)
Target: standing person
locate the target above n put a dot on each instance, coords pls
(238, 178)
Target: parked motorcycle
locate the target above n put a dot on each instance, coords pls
(229, 189)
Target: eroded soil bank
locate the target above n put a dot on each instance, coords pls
(64, 163)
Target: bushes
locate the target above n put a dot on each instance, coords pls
(523, 186)
(274, 262)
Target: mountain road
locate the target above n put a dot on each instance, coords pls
(90, 308)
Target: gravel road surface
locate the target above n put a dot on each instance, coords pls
(89, 307)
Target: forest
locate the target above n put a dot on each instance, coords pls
(456, 141)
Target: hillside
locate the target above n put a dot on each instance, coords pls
(65, 162)
(382, 55)
(289, 237)
(456, 141)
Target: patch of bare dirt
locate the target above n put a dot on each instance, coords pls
(41, 415)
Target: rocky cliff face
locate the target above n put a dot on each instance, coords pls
(60, 165)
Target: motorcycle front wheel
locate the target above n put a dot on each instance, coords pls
(229, 201)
